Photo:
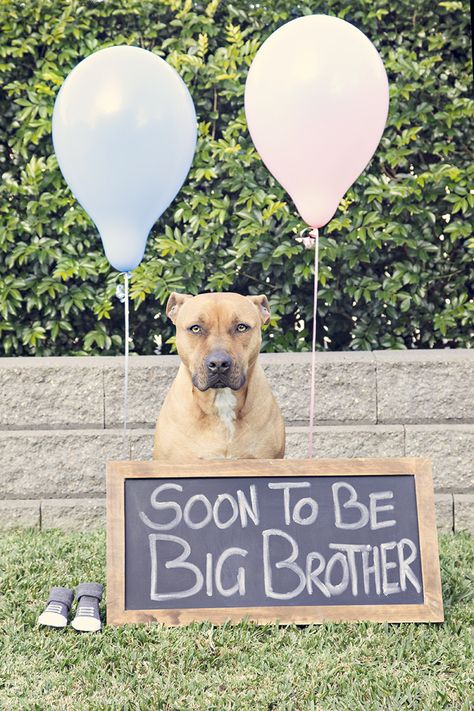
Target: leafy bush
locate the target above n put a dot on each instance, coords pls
(395, 260)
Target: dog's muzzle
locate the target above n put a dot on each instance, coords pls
(218, 371)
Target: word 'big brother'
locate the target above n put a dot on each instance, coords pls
(382, 569)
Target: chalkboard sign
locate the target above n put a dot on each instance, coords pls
(272, 540)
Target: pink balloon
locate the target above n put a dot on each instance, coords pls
(316, 101)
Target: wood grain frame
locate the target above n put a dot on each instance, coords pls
(430, 611)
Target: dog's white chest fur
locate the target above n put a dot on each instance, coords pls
(225, 402)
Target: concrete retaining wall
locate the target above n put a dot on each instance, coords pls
(61, 419)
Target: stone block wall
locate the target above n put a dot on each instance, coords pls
(61, 419)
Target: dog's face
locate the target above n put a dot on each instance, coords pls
(218, 336)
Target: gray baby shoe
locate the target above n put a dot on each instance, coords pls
(87, 617)
(57, 608)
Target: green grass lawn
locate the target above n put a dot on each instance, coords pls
(331, 666)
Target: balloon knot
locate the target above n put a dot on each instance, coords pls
(308, 240)
(120, 293)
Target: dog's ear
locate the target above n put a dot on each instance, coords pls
(261, 302)
(174, 304)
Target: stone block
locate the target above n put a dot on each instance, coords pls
(425, 386)
(19, 513)
(73, 514)
(345, 386)
(57, 464)
(346, 442)
(464, 513)
(149, 379)
(141, 445)
(444, 513)
(450, 448)
(40, 393)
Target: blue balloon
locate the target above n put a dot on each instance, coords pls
(124, 133)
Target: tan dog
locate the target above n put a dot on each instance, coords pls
(220, 404)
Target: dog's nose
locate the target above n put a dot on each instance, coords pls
(218, 362)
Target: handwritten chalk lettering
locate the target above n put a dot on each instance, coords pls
(374, 509)
(367, 514)
(188, 507)
(160, 505)
(296, 515)
(179, 562)
(240, 584)
(345, 567)
(350, 549)
(209, 588)
(387, 587)
(211, 579)
(312, 576)
(288, 563)
(341, 586)
(216, 509)
(198, 510)
(373, 569)
(248, 510)
(405, 570)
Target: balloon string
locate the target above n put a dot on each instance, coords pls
(125, 390)
(315, 235)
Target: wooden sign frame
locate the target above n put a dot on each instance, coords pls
(430, 611)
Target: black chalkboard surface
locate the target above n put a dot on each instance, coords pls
(290, 541)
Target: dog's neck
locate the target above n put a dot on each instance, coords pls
(225, 404)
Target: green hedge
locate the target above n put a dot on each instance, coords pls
(395, 261)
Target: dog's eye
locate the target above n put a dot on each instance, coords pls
(195, 328)
(242, 327)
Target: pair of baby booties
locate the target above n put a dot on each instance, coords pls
(59, 603)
